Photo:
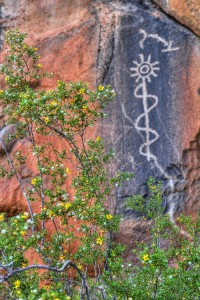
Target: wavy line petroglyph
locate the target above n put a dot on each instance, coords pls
(143, 72)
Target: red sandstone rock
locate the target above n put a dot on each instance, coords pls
(130, 233)
(65, 37)
(185, 11)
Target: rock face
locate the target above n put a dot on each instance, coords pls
(185, 11)
(152, 62)
(155, 71)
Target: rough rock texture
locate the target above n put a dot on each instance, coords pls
(185, 11)
(5, 133)
(191, 165)
(130, 233)
(153, 63)
(155, 71)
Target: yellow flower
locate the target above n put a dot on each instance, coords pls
(23, 232)
(34, 181)
(109, 217)
(24, 265)
(145, 257)
(98, 139)
(17, 284)
(67, 205)
(61, 257)
(39, 66)
(25, 214)
(54, 103)
(46, 120)
(84, 107)
(82, 91)
(50, 214)
(1, 91)
(101, 88)
(1, 217)
(6, 78)
(35, 49)
(80, 267)
(67, 170)
(99, 241)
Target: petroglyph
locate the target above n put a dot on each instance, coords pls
(168, 45)
(144, 71)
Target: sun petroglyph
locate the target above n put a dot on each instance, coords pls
(144, 69)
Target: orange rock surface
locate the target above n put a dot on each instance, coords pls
(185, 11)
(66, 41)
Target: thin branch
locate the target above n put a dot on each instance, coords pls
(70, 142)
(19, 180)
(41, 174)
(53, 269)
(6, 267)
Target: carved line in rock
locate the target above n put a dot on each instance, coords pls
(155, 36)
(143, 72)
